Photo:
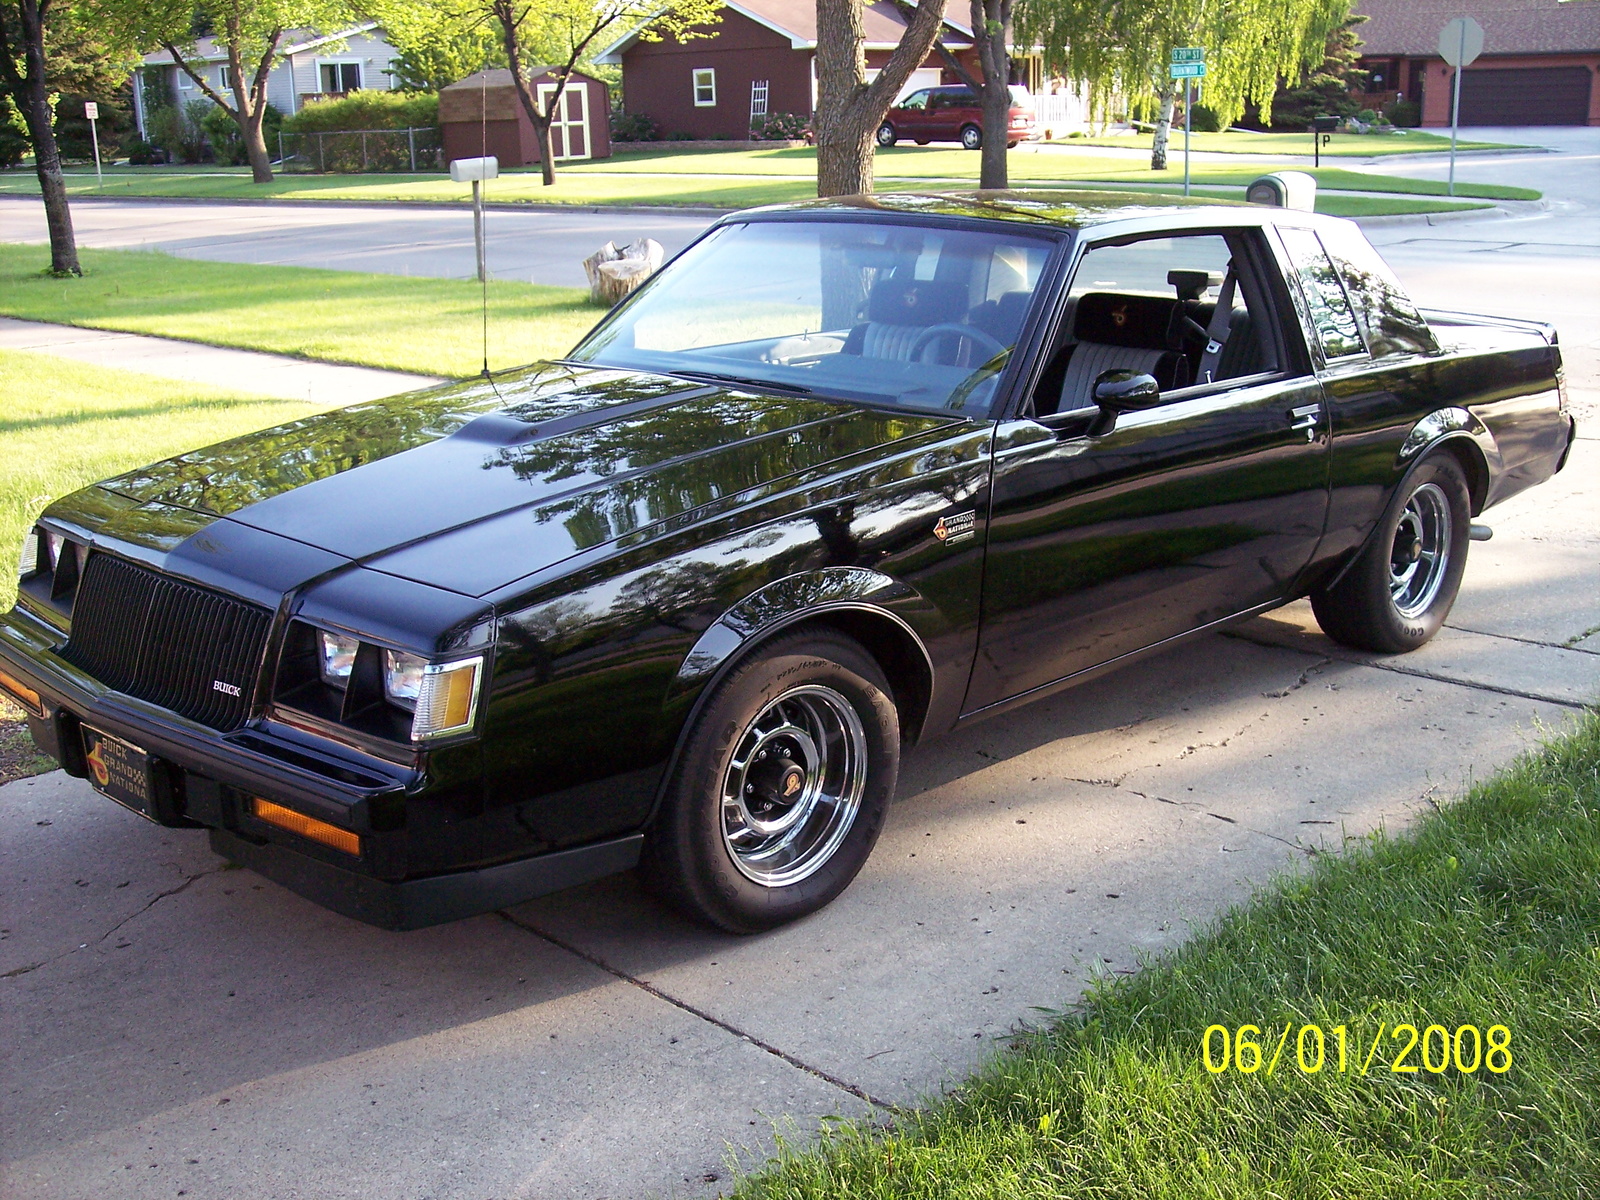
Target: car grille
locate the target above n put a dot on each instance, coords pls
(170, 643)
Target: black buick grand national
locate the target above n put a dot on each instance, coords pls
(840, 477)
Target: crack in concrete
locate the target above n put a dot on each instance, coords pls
(1195, 807)
(139, 912)
(1509, 637)
(651, 989)
(1305, 678)
(1356, 659)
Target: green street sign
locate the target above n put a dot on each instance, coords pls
(1188, 54)
(1187, 70)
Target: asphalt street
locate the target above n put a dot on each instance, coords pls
(177, 1027)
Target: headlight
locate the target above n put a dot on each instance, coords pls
(338, 656)
(443, 696)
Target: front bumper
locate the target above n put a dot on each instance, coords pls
(206, 778)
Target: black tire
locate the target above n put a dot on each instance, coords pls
(971, 137)
(737, 881)
(1397, 594)
(886, 135)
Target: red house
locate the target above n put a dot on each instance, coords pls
(1538, 64)
(759, 60)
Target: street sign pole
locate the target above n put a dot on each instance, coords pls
(1460, 43)
(1188, 64)
(91, 110)
(1188, 127)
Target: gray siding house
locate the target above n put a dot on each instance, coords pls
(309, 65)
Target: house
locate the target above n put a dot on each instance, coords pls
(1537, 68)
(761, 60)
(310, 65)
(482, 114)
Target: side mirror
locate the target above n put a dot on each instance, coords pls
(1122, 391)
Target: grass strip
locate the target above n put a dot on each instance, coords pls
(1487, 912)
(66, 425)
(429, 326)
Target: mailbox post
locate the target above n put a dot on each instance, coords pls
(1321, 134)
(476, 170)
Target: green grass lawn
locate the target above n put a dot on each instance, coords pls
(65, 425)
(1343, 145)
(431, 326)
(738, 178)
(1487, 913)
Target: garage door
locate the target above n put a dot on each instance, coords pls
(1526, 96)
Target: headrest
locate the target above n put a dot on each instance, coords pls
(1137, 322)
(1192, 285)
(916, 302)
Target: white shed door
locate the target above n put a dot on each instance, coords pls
(569, 125)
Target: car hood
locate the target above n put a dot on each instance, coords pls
(471, 486)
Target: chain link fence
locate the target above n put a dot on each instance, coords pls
(349, 152)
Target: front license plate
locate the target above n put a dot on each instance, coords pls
(118, 770)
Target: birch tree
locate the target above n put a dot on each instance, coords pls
(1122, 48)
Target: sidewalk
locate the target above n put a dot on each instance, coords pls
(237, 370)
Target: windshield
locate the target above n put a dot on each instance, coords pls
(885, 314)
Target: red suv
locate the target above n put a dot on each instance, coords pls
(952, 114)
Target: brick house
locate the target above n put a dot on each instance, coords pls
(759, 60)
(1538, 64)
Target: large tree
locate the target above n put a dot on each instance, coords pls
(556, 35)
(849, 109)
(48, 47)
(1122, 48)
(250, 32)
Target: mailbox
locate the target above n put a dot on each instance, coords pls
(1284, 189)
(1324, 124)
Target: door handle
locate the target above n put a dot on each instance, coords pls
(1306, 418)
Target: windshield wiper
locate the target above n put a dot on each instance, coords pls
(744, 381)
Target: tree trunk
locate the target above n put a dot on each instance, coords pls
(844, 143)
(991, 26)
(255, 146)
(1167, 94)
(541, 138)
(849, 110)
(46, 156)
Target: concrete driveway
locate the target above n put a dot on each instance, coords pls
(178, 1028)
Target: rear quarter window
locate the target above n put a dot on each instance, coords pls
(1388, 318)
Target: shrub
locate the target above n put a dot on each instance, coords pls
(1205, 120)
(365, 110)
(143, 154)
(179, 131)
(227, 143)
(633, 127)
(1407, 114)
(780, 127)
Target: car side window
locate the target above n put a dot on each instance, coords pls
(1331, 313)
(1387, 316)
(916, 100)
(1185, 309)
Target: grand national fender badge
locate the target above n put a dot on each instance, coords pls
(956, 528)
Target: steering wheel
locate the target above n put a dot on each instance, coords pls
(980, 340)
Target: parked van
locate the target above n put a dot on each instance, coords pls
(952, 114)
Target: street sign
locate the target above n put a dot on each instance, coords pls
(1186, 70)
(1460, 42)
(91, 111)
(1188, 54)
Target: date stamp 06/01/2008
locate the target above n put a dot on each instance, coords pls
(1399, 1049)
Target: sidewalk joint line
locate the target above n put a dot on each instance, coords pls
(1511, 637)
(859, 1093)
(1414, 672)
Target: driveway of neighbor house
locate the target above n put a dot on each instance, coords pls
(591, 1044)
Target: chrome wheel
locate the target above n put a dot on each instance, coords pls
(1420, 554)
(794, 785)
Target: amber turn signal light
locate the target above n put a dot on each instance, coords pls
(308, 827)
(22, 694)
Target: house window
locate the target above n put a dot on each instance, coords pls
(705, 87)
(340, 77)
(225, 78)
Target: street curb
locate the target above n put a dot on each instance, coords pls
(643, 210)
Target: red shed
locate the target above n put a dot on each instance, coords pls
(757, 61)
(482, 114)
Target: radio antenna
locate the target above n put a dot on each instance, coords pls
(483, 271)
